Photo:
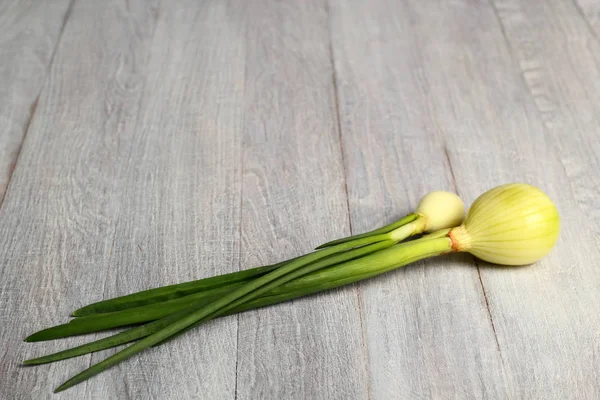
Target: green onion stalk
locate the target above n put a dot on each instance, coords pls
(435, 210)
(513, 224)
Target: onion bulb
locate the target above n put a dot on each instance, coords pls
(514, 224)
(440, 210)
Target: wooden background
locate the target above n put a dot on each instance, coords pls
(151, 142)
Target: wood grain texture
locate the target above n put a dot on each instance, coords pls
(59, 219)
(427, 325)
(29, 31)
(179, 217)
(179, 139)
(126, 189)
(294, 199)
(559, 59)
(590, 11)
(543, 316)
(557, 53)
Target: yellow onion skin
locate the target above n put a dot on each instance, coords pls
(513, 224)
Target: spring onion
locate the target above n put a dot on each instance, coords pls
(512, 225)
(436, 210)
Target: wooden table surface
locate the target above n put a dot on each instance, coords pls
(144, 143)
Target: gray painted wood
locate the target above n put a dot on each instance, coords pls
(566, 91)
(58, 221)
(180, 196)
(542, 315)
(428, 58)
(184, 139)
(124, 192)
(590, 11)
(179, 211)
(294, 199)
(427, 325)
(29, 31)
(561, 78)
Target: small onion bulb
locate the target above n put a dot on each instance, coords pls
(440, 210)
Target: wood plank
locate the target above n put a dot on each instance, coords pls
(559, 59)
(590, 11)
(561, 69)
(542, 315)
(128, 180)
(132, 172)
(293, 199)
(29, 31)
(181, 196)
(59, 215)
(58, 218)
(427, 326)
(558, 55)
